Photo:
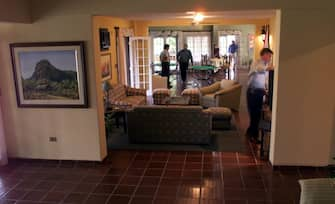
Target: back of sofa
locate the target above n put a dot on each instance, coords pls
(169, 124)
(117, 92)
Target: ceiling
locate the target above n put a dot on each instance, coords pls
(251, 14)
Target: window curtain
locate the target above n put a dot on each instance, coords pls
(3, 149)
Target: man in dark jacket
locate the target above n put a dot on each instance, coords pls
(184, 56)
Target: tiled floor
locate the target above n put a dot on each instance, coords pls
(153, 177)
(156, 177)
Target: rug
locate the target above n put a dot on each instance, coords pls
(222, 141)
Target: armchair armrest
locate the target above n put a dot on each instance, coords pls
(229, 97)
(135, 91)
(228, 90)
(210, 89)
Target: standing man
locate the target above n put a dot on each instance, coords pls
(184, 56)
(256, 91)
(165, 61)
(232, 50)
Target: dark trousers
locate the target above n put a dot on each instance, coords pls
(255, 104)
(183, 70)
(166, 72)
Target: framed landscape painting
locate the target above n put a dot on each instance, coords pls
(50, 75)
(106, 66)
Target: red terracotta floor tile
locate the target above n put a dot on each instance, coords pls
(164, 200)
(116, 171)
(15, 194)
(104, 189)
(169, 192)
(45, 185)
(145, 191)
(235, 201)
(110, 179)
(189, 192)
(96, 199)
(156, 165)
(34, 195)
(3, 201)
(124, 190)
(175, 165)
(170, 181)
(54, 197)
(92, 179)
(130, 180)
(84, 188)
(172, 173)
(187, 201)
(211, 201)
(150, 181)
(154, 172)
(135, 172)
(75, 198)
(141, 200)
(118, 199)
(64, 186)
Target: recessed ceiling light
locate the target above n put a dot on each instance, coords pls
(198, 17)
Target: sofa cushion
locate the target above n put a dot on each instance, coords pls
(117, 93)
(208, 100)
(135, 100)
(227, 83)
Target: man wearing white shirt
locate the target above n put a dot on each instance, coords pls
(165, 61)
(256, 90)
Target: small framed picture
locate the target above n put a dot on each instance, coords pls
(50, 74)
(106, 66)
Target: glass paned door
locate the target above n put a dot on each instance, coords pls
(140, 63)
(158, 45)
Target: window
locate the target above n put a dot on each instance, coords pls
(198, 44)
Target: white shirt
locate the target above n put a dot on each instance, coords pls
(165, 56)
(258, 74)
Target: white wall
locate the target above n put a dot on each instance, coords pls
(28, 130)
(305, 95)
(3, 149)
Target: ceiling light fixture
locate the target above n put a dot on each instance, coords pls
(198, 17)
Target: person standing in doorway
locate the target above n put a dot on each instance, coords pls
(256, 91)
(232, 50)
(184, 57)
(165, 61)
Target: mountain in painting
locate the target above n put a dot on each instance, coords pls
(49, 82)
